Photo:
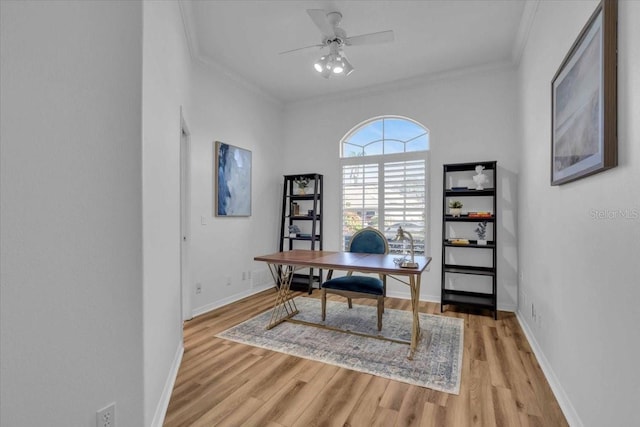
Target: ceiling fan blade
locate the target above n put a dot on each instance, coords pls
(371, 38)
(319, 17)
(301, 48)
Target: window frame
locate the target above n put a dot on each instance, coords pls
(381, 160)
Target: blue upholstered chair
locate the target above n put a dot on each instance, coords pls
(370, 241)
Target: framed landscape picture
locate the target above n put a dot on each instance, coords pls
(583, 111)
(232, 180)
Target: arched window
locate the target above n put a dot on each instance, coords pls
(384, 179)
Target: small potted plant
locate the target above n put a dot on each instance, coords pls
(481, 231)
(302, 184)
(455, 208)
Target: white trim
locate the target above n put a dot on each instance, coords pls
(556, 387)
(407, 83)
(526, 22)
(185, 222)
(233, 298)
(163, 404)
(186, 12)
(188, 19)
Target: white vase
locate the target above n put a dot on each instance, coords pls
(482, 242)
(455, 212)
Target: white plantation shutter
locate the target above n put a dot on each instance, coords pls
(359, 194)
(385, 194)
(405, 199)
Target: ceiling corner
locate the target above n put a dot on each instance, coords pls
(526, 21)
(188, 22)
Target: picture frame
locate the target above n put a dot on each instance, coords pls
(232, 180)
(584, 101)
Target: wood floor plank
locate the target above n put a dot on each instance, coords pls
(491, 346)
(277, 404)
(505, 407)
(297, 403)
(384, 417)
(393, 395)
(410, 412)
(481, 407)
(236, 415)
(223, 383)
(368, 403)
(336, 400)
(433, 415)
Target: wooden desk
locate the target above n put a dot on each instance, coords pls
(282, 265)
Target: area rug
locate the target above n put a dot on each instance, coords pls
(436, 364)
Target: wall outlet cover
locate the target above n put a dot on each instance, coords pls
(106, 417)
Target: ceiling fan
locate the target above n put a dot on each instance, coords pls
(335, 62)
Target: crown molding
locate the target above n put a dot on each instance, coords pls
(524, 28)
(186, 12)
(188, 21)
(403, 83)
(526, 22)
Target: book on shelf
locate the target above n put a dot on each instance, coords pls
(481, 214)
(459, 188)
(459, 241)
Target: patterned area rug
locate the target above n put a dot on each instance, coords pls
(436, 363)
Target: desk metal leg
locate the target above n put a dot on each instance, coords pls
(285, 306)
(414, 284)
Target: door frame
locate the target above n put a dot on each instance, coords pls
(185, 215)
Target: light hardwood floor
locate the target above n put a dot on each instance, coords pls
(221, 383)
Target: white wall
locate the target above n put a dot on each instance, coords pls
(580, 272)
(471, 117)
(166, 68)
(224, 109)
(71, 212)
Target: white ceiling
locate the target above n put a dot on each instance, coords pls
(244, 38)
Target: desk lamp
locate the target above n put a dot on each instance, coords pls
(402, 235)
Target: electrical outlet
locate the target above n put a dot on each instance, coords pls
(539, 317)
(106, 417)
(244, 276)
(198, 288)
(228, 278)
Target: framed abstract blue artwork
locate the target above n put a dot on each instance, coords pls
(233, 180)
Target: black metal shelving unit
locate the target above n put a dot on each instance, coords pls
(308, 218)
(476, 300)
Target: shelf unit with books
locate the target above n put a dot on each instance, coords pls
(458, 183)
(302, 218)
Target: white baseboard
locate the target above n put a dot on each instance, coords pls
(163, 404)
(558, 391)
(233, 298)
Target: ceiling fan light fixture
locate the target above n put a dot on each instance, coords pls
(348, 68)
(321, 64)
(326, 70)
(335, 38)
(336, 63)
